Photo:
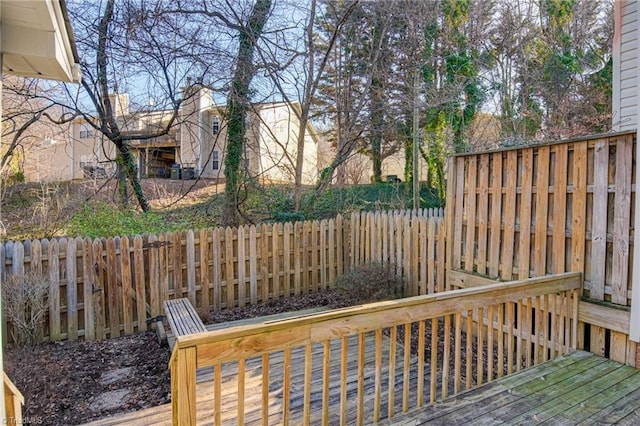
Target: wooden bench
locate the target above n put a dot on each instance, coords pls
(266, 319)
(182, 317)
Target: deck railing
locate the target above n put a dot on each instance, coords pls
(13, 402)
(366, 363)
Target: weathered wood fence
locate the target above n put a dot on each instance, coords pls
(105, 287)
(566, 206)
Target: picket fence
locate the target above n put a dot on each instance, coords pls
(106, 287)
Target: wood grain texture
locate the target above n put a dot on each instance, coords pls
(578, 220)
(541, 214)
(88, 285)
(600, 212)
(482, 237)
(470, 214)
(525, 214)
(72, 288)
(139, 284)
(190, 249)
(621, 220)
(127, 285)
(508, 245)
(496, 215)
(559, 209)
(204, 300)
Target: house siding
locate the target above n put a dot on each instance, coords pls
(273, 160)
(625, 68)
(625, 111)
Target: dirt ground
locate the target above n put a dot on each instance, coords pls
(68, 383)
(75, 382)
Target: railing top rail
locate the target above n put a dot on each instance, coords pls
(245, 341)
(9, 386)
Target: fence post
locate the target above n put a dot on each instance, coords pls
(191, 266)
(183, 386)
(450, 200)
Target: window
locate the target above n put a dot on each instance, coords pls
(215, 160)
(215, 126)
(85, 133)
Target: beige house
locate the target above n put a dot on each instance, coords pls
(271, 145)
(197, 144)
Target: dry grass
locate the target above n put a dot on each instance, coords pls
(35, 211)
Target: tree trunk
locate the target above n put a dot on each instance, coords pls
(128, 170)
(238, 105)
(309, 88)
(377, 122)
(377, 94)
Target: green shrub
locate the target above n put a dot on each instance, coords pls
(275, 203)
(373, 282)
(104, 220)
(381, 196)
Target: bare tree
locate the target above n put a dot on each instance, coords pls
(133, 46)
(245, 21)
(238, 105)
(298, 62)
(26, 119)
(551, 65)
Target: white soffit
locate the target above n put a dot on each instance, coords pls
(35, 40)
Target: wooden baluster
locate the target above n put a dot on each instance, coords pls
(457, 351)
(360, 415)
(407, 367)
(241, 390)
(469, 357)
(378, 376)
(446, 356)
(344, 351)
(286, 386)
(434, 359)
(306, 416)
(490, 348)
(393, 336)
(480, 347)
(421, 333)
(265, 389)
(326, 374)
(500, 340)
(217, 394)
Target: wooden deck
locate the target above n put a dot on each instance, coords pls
(580, 388)
(577, 389)
(161, 415)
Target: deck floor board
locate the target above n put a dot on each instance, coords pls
(579, 388)
(253, 387)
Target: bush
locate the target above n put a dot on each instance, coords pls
(25, 301)
(372, 282)
(381, 196)
(103, 220)
(275, 203)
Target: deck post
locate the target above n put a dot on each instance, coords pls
(183, 386)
